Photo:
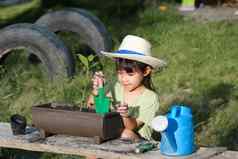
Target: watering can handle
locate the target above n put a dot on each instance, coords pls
(175, 112)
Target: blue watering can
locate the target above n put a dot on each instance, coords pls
(177, 134)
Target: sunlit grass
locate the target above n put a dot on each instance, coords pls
(202, 70)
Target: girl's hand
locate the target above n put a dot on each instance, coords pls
(90, 102)
(98, 81)
(123, 110)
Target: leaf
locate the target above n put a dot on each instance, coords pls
(84, 60)
(8, 96)
(91, 58)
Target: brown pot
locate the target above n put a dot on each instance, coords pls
(60, 119)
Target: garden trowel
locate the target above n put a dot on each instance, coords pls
(102, 102)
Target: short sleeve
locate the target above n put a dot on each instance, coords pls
(148, 109)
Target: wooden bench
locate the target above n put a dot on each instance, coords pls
(113, 149)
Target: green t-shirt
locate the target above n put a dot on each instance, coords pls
(144, 108)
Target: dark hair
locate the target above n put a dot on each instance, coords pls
(130, 65)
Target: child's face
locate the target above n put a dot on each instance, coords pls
(130, 80)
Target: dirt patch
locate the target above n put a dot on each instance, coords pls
(208, 13)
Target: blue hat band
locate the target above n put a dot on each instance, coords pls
(128, 52)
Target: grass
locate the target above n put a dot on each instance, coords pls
(202, 72)
(9, 13)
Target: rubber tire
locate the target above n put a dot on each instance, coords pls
(42, 43)
(11, 2)
(91, 30)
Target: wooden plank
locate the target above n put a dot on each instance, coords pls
(201, 153)
(227, 155)
(113, 149)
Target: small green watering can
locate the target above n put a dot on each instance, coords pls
(102, 102)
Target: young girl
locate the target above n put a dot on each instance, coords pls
(138, 103)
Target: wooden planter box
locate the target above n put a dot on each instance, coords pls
(59, 119)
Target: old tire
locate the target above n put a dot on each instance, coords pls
(44, 44)
(91, 30)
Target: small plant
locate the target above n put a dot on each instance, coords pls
(89, 65)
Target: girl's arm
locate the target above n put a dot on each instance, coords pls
(129, 122)
(90, 101)
(97, 81)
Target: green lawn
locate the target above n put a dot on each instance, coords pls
(202, 72)
(15, 12)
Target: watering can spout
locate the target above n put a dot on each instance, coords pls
(160, 124)
(170, 141)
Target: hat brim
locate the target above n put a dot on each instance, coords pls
(149, 60)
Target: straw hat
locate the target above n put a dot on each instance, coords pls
(138, 49)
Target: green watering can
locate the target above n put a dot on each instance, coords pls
(102, 102)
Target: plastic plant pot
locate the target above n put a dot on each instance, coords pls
(18, 124)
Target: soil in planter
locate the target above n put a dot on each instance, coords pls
(67, 107)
